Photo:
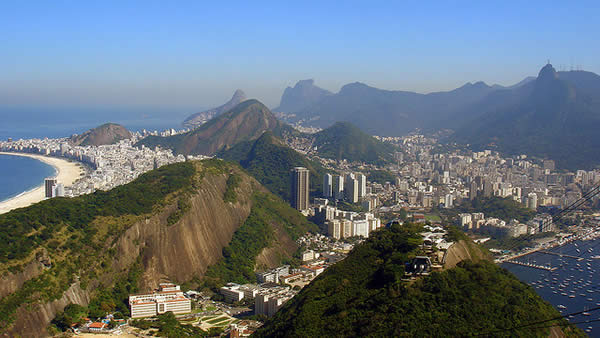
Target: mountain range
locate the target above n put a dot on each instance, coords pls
(197, 119)
(556, 116)
(381, 112)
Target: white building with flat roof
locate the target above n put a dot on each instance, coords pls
(168, 298)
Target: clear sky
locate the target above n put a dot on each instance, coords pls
(183, 56)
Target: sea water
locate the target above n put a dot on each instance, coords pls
(573, 287)
(19, 174)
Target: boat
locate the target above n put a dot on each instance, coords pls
(560, 306)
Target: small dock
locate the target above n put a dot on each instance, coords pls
(531, 265)
(561, 254)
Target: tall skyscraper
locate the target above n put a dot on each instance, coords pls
(351, 189)
(362, 185)
(327, 186)
(339, 187)
(49, 184)
(299, 182)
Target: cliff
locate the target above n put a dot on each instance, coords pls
(464, 250)
(182, 233)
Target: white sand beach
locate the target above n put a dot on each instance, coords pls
(67, 173)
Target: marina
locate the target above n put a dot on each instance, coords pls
(565, 276)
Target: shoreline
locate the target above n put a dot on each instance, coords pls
(66, 173)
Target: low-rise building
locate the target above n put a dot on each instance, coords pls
(159, 302)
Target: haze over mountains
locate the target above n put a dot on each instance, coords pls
(245, 122)
(555, 115)
(197, 119)
(378, 111)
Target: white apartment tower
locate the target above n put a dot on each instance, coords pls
(339, 187)
(362, 185)
(327, 186)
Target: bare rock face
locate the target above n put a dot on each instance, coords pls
(197, 119)
(109, 133)
(175, 252)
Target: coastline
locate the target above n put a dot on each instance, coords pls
(66, 173)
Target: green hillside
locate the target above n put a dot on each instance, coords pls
(68, 231)
(343, 140)
(76, 238)
(364, 295)
(245, 122)
(269, 160)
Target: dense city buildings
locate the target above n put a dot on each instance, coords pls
(107, 166)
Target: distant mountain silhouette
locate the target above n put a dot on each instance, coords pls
(385, 112)
(109, 133)
(246, 121)
(556, 116)
(197, 119)
(302, 96)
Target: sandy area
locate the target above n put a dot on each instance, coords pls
(67, 173)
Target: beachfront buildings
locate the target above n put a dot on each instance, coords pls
(167, 298)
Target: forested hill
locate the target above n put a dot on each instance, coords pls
(212, 218)
(245, 122)
(270, 160)
(344, 140)
(364, 295)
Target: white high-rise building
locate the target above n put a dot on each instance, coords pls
(339, 187)
(448, 201)
(532, 201)
(327, 186)
(362, 185)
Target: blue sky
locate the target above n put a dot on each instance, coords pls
(183, 56)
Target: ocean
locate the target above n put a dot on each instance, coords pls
(573, 287)
(19, 174)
